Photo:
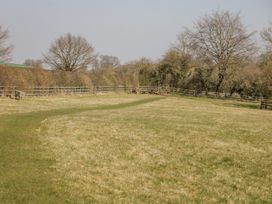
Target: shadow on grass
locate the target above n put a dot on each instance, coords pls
(246, 105)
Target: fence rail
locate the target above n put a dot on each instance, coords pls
(210, 94)
(13, 91)
(266, 104)
(7, 90)
(50, 91)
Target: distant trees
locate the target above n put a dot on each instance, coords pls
(70, 53)
(220, 39)
(134, 73)
(5, 49)
(107, 61)
(110, 60)
(34, 63)
(103, 72)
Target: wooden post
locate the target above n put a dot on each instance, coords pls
(19, 95)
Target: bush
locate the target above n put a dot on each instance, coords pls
(34, 77)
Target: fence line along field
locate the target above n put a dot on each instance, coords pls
(19, 93)
(129, 148)
(52, 91)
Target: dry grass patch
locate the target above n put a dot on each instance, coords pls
(27, 172)
(30, 104)
(173, 150)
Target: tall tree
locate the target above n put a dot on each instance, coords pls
(223, 40)
(70, 53)
(5, 49)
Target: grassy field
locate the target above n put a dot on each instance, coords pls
(119, 148)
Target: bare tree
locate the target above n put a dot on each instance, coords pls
(70, 53)
(107, 61)
(267, 37)
(34, 63)
(221, 39)
(5, 50)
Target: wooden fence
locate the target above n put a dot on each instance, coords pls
(7, 90)
(266, 104)
(12, 91)
(187, 92)
(51, 91)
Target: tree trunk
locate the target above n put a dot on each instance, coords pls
(220, 80)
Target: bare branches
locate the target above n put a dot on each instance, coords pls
(221, 39)
(107, 61)
(5, 50)
(70, 53)
(184, 43)
(267, 37)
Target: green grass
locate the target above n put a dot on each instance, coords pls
(134, 149)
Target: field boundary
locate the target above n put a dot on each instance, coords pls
(18, 93)
(66, 90)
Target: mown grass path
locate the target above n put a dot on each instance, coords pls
(24, 171)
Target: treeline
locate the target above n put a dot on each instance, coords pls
(179, 71)
(217, 54)
(173, 70)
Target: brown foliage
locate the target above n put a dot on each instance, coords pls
(33, 77)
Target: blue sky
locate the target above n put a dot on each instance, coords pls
(128, 29)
